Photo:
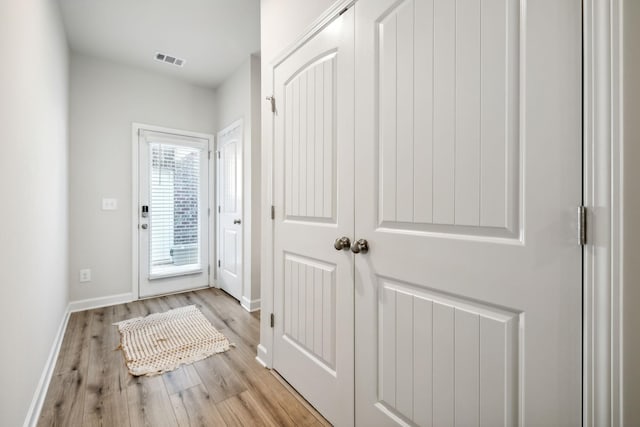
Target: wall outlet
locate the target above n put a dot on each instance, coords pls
(85, 275)
(109, 204)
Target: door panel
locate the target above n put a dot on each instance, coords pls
(313, 294)
(173, 233)
(468, 148)
(230, 210)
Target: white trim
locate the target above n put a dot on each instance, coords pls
(237, 123)
(602, 394)
(91, 303)
(35, 408)
(135, 141)
(318, 25)
(262, 355)
(250, 305)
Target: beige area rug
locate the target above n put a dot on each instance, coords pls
(161, 342)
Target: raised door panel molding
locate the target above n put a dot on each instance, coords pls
(230, 251)
(448, 94)
(309, 307)
(231, 190)
(310, 172)
(444, 360)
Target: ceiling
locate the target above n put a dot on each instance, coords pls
(213, 36)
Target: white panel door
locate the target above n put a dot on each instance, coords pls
(230, 210)
(173, 227)
(313, 196)
(468, 155)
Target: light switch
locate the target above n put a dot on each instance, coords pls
(109, 204)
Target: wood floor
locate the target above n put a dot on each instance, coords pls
(91, 385)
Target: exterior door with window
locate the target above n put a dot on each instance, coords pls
(173, 209)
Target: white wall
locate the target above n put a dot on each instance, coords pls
(33, 191)
(282, 22)
(238, 98)
(630, 375)
(105, 98)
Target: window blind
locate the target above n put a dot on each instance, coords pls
(174, 210)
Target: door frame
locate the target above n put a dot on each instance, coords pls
(236, 124)
(602, 167)
(135, 197)
(602, 191)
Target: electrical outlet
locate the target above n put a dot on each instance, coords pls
(85, 275)
(109, 204)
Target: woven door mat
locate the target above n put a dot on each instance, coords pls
(161, 342)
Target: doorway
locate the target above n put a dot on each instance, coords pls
(172, 210)
(230, 227)
(460, 243)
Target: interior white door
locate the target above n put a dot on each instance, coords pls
(468, 148)
(313, 196)
(230, 210)
(173, 225)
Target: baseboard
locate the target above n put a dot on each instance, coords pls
(262, 356)
(43, 385)
(91, 303)
(250, 305)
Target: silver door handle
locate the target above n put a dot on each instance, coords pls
(360, 246)
(237, 221)
(342, 243)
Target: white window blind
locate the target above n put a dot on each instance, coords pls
(174, 210)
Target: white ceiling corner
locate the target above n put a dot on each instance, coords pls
(213, 36)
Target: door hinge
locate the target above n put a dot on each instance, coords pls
(209, 211)
(209, 154)
(582, 225)
(218, 209)
(218, 154)
(272, 320)
(272, 99)
(218, 263)
(273, 212)
(209, 269)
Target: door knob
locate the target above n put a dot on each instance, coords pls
(144, 226)
(237, 221)
(342, 243)
(360, 246)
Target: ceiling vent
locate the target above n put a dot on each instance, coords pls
(163, 57)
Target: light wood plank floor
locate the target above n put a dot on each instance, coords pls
(91, 385)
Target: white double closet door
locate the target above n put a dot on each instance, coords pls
(447, 134)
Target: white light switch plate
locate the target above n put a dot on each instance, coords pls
(109, 204)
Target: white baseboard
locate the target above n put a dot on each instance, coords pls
(45, 379)
(250, 305)
(91, 303)
(262, 356)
